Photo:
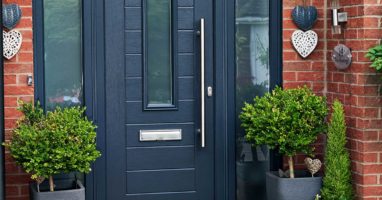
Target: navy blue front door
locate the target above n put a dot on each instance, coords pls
(165, 167)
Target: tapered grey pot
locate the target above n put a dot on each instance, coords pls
(300, 188)
(65, 190)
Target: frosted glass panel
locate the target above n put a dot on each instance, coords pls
(63, 52)
(252, 79)
(159, 53)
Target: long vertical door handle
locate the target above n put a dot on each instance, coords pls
(202, 85)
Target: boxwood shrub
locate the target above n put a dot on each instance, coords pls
(286, 120)
(60, 141)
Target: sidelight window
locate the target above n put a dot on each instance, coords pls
(252, 79)
(59, 53)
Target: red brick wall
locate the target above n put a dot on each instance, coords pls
(16, 71)
(310, 71)
(357, 87)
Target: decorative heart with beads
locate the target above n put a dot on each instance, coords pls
(313, 165)
(304, 17)
(304, 42)
(11, 15)
(12, 41)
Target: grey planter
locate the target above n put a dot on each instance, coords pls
(303, 188)
(65, 190)
(250, 180)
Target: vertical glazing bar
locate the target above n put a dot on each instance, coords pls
(202, 86)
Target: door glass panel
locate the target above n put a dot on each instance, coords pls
(159, 53)
(252, 79)
(63, 52)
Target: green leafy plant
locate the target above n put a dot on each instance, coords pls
(337, 179)
(287, 120)
(60, 141)
(375, 56)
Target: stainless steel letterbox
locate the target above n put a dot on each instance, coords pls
(160, 135)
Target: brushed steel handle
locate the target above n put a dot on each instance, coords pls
(202, 85)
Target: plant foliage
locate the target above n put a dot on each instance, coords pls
(61, 141)
(289, 120)
(375, 56)
(337, 181)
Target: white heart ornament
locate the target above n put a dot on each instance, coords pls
(313, 165)
(12, 41)
(304, 42)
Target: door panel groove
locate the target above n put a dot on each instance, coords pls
(133, 31)
(180, 100)
(134, 77)
(160, 193)
(163, 123)
(160, 170)
(186, 77)
(160, 147)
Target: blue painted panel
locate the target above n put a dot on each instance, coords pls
(186, 88)
(185, 3)
(133, 42)
(164, 196)
(160, 157)
(185, 113)
(134, 89)
(133, 66)
(133, 3)
(186, 66)
(160, 181)
(186, 41)
(186, 18)
(115, 50)
(133, 18)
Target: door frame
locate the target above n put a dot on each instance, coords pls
(224, 62)
(94, 89)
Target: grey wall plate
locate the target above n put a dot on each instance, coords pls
(342, 56)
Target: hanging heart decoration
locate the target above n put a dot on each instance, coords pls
(304, 42)
(304, 17)
(11, 15)
(313, 165)
(12, 41)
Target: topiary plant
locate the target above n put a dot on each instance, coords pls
(337, 180)
(375, 56)
(61, 141)
(287, 120)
